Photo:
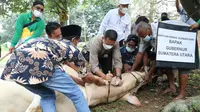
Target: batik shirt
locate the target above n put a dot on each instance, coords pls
(35, 61)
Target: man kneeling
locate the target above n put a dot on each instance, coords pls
(104, 52)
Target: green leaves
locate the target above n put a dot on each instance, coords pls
(89, 15)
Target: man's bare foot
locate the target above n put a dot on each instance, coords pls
(180, 96)
(169, 90)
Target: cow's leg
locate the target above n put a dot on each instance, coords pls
(35, 105)
(131, 99)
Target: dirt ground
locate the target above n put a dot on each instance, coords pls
(149, 97)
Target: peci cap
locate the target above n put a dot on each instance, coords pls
(71, 31)
(124, 1)
(37, 2)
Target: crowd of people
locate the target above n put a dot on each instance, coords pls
(36, 63)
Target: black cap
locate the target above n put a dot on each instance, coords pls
(71, 31)
(133, 38)
(142, 19)
(37, 2)
(164, 14)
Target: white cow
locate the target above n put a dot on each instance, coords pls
(15, 98)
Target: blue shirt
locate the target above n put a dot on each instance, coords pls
(127, 57)
(185, 18)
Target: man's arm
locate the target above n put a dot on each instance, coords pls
(101, 74)
(72, 66)
(104, 23)
(38, 32)
(140, 54)
(138, 60)
(178, 6)
(127, 31)
(18, 31)
(118, 72)
(93, 58)
(77, 80)
(196, 25)
(117, 59)
(145, 60)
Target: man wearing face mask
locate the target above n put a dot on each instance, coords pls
(104, 52)
(119, 20)
(147, 39)
(28, 25)
(129, 52)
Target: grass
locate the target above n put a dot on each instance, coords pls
(110, 107)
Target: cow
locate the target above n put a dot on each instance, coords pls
(15, 98)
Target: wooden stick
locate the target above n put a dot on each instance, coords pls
(109, 81)
(9, 53)
(4, 56)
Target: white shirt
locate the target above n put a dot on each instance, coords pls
(121, 25)
(185, 18)
(133, 29)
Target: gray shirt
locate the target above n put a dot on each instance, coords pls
(152, 43)
(96, 49)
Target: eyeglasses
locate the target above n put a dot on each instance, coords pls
(39, 8)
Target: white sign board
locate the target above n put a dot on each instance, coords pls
(176, 46)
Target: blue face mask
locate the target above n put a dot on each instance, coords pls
(130, 49)
(147, 38)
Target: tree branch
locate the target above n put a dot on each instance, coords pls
(159, 1)
(59, 5)
(54, 11)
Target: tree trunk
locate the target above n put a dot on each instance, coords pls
(63, 18)
(191, 104)
(152, 10)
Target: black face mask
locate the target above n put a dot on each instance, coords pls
(164, 18)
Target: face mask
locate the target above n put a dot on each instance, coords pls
(123, 10)
(130, 49)
(147, 38)
(37, 13)
(107, 47)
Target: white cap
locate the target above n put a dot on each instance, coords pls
(124, 1)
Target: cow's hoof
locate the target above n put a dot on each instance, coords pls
(132, 99)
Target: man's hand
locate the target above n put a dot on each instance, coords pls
(80, 82)
(89, 78)
(108, 76)
(11, 49)
(196, 25)
(116, 81)
(100, 82)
